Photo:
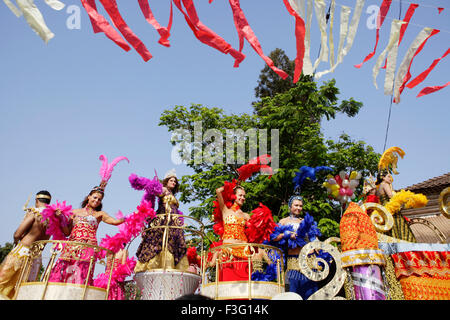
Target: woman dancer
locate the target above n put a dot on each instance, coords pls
(150, 254)
(288, 233)
(73, 263)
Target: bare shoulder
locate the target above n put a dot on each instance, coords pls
(283, 221)
(77, 211)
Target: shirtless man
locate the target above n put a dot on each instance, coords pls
(31, 229)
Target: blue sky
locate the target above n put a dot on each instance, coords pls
(65, 103)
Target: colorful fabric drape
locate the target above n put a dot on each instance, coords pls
(422, 269)
(419, 263)
(424, 275)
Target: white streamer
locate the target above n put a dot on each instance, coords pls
(35, 19)
(403, 68)
(393, 39)
(13, 8)
(55, 4)
(344, 19)
(319, 7)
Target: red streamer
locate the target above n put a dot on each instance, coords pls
(99, 24)
(440, 10)
(425, 73)
(113, 11)
(409, 13)
(428, 90)
(93, 22)
(164, 32)
(408, 73)
(245, 31)
(380, 19)
(206, 35)
(300, 41)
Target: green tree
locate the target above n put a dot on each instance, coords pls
(296, 114)
(270, 83)
(4, 250)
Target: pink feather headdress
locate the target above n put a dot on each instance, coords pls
(106, 170)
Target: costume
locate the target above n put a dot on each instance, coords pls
(234, 260)
(76, 263)
(236, 265)
(387, 163)
(14, 262)
(73, 263)
(150, 253)
(11, 268)
(305, 231)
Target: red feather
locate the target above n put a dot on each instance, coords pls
(260, 225)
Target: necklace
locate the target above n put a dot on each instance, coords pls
(235, 207)
(87, 211)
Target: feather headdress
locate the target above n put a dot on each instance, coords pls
(107, 168)
(389, 159)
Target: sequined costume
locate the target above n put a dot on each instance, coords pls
(296, 280)
(73, 263)
(235, 267)
(150, 254)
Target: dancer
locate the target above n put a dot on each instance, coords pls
(150, 253)
(235, 226)
(73, 263)
(292, 233)
(31, 229)
(385, 191)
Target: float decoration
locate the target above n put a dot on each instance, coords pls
(342, 187)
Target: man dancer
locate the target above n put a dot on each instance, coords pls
(31, 229)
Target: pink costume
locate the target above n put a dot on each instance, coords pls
(73, 263)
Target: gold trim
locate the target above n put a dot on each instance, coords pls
(43, 196)
(23, 284)
(240, 281)
(382, 222)
(444, 200)
(165, 270)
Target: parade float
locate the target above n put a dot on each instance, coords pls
(372, 258)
